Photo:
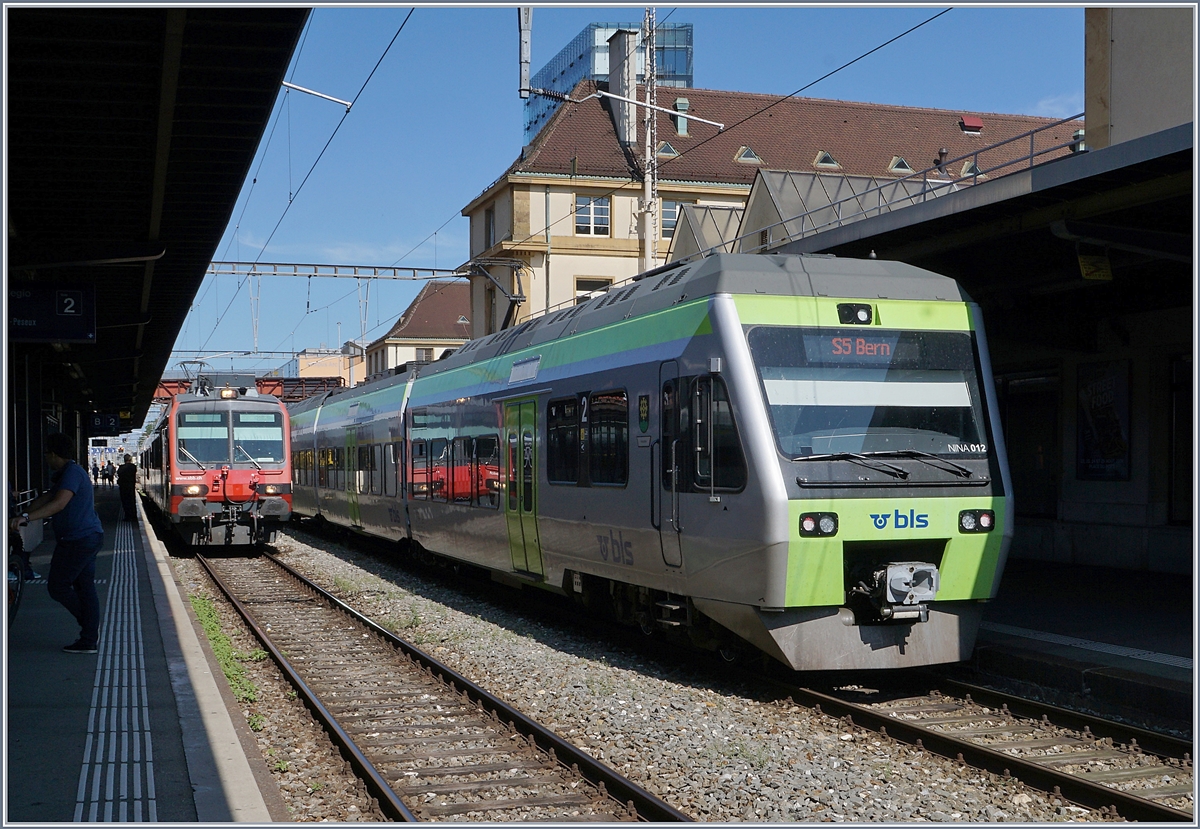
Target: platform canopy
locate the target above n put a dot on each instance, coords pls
(130, 131)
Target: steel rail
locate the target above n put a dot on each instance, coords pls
(1151, 742)
(389, 802)
(1073, 788)
(648, 806)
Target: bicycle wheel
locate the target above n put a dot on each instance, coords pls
(16, 586)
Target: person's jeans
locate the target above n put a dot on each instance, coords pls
(72, 583)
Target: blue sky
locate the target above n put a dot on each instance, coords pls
(441, 119)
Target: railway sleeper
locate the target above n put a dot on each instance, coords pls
(457, 771)
(1071, 758)
(546, 801)
(477, 786)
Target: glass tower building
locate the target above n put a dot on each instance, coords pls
(587, 57)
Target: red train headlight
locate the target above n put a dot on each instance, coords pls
(271, 489)
(193, 489)
(818, 523)
(976, 521)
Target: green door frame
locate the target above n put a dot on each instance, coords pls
(520, 501)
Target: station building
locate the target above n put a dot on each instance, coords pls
(436, 320)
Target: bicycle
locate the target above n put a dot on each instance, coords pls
(16, 585)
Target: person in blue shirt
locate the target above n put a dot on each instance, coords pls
(78, 537)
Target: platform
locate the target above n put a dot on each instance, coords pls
(142, 731)
(137, 733)
(1124, 638)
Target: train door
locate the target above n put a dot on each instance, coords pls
(671, 446)
(520, 502)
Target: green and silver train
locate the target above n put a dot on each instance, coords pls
(795, 454)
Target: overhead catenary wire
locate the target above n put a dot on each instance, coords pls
(292, 196)
(764, 109)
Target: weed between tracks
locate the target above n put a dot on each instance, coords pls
(230, 660)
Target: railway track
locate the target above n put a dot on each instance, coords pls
(1119, 770)
(429, 744)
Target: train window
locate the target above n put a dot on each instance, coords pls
(608, 438)
(485, 472)
(719, 463)
(203, 437)
(419, 479)
(389, 469)
(562, 432)
(439, 460)
(376, 468)
(258, 436)
(512, 472)
(458, 485)
(340, 459)
(362, 470)
(322, 468)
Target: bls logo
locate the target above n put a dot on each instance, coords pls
(901, 521)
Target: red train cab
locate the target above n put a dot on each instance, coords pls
(217, 465)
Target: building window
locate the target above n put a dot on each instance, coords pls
(424, 355)
(970, 168)
(899, 165)
(489, 227)
(665, 150)
(591, 216)
(670, 217)
(827, 161)
(587, 287)
(747, 156)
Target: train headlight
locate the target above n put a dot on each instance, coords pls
(818, 524)
(271, 489)
(854, 313)
(228, 394)
(193, 489)
(976, 521)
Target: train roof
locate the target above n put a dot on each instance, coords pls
(658, 289)
(732, 273)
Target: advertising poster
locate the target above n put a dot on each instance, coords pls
(1102, 427)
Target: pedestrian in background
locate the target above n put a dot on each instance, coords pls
(95, 472)
(78, 537)
(110, 472)
(127, 483)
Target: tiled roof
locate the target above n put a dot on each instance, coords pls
(787, 134)
(434, 314)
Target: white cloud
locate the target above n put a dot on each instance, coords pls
(1059, 106)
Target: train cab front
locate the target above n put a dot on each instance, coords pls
(898, 513)
(235, 483)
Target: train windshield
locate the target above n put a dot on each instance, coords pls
(258, 436)
(863, 391)
(204, 437)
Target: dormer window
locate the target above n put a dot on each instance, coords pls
(970, 168)
(747, 156)
(899, 165)
(826, 161)
(970, 124)
(665, 150)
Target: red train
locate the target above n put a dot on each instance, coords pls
(217, 464)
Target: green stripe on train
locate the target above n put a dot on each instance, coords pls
(967, 568)
(680, 322)
(909, 315)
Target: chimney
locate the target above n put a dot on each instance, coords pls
(681, 106)
(622, 80)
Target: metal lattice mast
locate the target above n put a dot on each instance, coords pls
(649, 206)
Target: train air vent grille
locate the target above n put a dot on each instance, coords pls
(671, 278)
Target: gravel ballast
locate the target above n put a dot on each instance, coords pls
(707, 744)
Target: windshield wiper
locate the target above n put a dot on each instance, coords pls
(870, 463)
(925, 457)
(192, 457)
(248, 455)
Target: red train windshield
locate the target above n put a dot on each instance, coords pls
(205, 437)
